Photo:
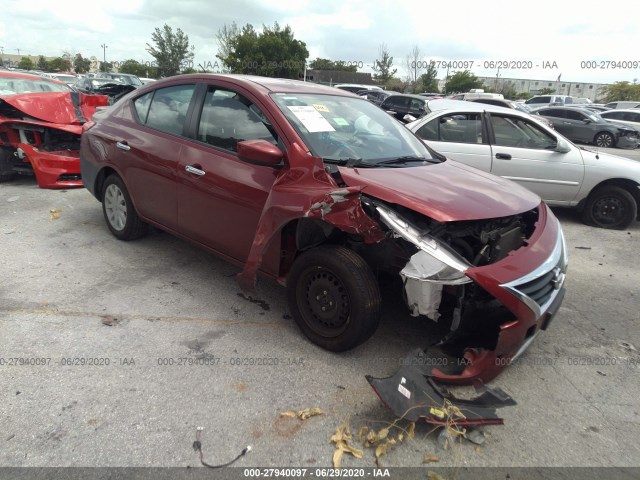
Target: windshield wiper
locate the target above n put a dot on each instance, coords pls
(407, 159)
(349, 162)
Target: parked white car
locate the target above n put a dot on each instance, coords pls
(625, 116)
(513, 145)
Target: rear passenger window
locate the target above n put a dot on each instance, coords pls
(458, 128)
(168, 110)
(228, 118)
(141, 105)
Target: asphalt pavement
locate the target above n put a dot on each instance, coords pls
(128, 347)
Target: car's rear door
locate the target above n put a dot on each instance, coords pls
(523, 151)
(220, 197)
(147, 154)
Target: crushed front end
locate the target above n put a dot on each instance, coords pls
(494, 283)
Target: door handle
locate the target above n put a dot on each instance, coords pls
(503, 156)
(123, 146)
(194, 170)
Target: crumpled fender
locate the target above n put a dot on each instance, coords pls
(13, 123)
(305, 190)
(57, 107)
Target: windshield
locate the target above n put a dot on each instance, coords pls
(350, 130)
(10, 86)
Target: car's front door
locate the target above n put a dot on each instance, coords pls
(220, 197)
(460, 137)
(523, 151)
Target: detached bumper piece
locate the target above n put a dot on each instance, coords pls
(412, 394)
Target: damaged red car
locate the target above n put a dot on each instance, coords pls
(40, 126)
(325, 193)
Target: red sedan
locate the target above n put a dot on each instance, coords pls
(40, 125)
(324, 192)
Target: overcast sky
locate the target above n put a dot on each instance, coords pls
(559, 35)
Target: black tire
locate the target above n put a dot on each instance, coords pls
(604, 140)
(339, 280)
(6, 165)
(119, 213)
(610, 207)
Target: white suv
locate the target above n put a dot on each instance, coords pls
(550, 100)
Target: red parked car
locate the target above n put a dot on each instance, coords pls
(324, 192)
(40, 125)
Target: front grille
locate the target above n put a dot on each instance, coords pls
(540, 289)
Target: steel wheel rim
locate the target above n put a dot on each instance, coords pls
(604, 140)
(115, 207)
(324, 302)
(609, 210)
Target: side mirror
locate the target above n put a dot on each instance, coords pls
(409, 118)
(587, 121)
(259, 152)
(562, 146)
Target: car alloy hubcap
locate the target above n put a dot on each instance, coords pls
(609, 210)
(326, 302)
(604, 141)
(115, 206)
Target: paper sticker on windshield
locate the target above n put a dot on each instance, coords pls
(341, 121)
(320, 108)
(312, 119)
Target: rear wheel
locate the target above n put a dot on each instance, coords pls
(604, 140)
(334, 297)
(122, 218)
(610, 207)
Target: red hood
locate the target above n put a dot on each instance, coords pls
(448, 191)
(66, 108)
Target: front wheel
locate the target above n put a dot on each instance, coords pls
(610, 207)
(119, 212)
(604, 140)
(334, 297)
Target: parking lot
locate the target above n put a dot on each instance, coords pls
(142, 312)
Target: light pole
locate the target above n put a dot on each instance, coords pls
(104, 56)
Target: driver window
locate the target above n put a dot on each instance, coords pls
(517, 132)
(228, 118)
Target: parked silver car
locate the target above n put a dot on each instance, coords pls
(511, 144)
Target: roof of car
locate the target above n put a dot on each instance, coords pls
(628, 110)
(270, 85)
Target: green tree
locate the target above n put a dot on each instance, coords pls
(133, 67)
(274, 52)
(621, 91)
(25, 63)
(59, 64)
(171, 50)
(463, 82)
(546, 91)
(383, 66)
(106, 66)
(326, 64)
(80, 64)
(429, 79)
(42, 63)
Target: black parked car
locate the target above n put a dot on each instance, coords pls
(400, 105)
(586, 126)
(114, 89)
(376, 96)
